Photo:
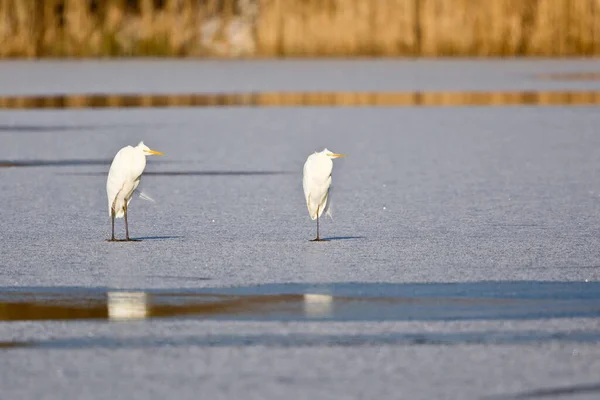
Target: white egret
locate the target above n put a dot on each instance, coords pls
(316, 180)
(123, 178)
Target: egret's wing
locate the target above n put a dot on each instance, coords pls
(118, 174)
(305, 178)
(316, 180)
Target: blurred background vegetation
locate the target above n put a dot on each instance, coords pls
(300, 28)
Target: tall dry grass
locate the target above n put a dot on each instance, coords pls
(429, 27)
(336, 27)
(85, 28)
(90, 28)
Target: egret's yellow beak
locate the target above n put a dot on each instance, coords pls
(335, 155)
(158, 153)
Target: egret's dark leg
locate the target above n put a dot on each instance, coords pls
(112, 220)
(317, 239)
(317, 223)
(126, 225)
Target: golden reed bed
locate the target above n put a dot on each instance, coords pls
(267, 28)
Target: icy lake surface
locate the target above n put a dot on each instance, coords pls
(463, 259)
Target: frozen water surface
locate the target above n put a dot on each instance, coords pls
(190, 76)
(463, 259)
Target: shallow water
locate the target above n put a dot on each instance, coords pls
(325, 302)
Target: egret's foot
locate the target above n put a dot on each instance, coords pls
(133, 240)
(114, 240)
(318, 240)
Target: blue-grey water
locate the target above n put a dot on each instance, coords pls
(462, 260)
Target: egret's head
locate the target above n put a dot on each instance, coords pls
(147, 151)
(331, 154)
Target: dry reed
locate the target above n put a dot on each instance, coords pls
(266, 28)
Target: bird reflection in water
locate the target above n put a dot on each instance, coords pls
(318, 305)
(127, 305)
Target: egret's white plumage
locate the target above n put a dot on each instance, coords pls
(316, 181)
(123, 178)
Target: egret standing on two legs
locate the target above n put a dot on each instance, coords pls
(123, 178)
(316, 180)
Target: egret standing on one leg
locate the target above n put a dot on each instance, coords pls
(123, 178)
(316, 179)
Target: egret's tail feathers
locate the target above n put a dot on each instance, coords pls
(118, 214)
(312, 211)
(118, 207)
(319, 212)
